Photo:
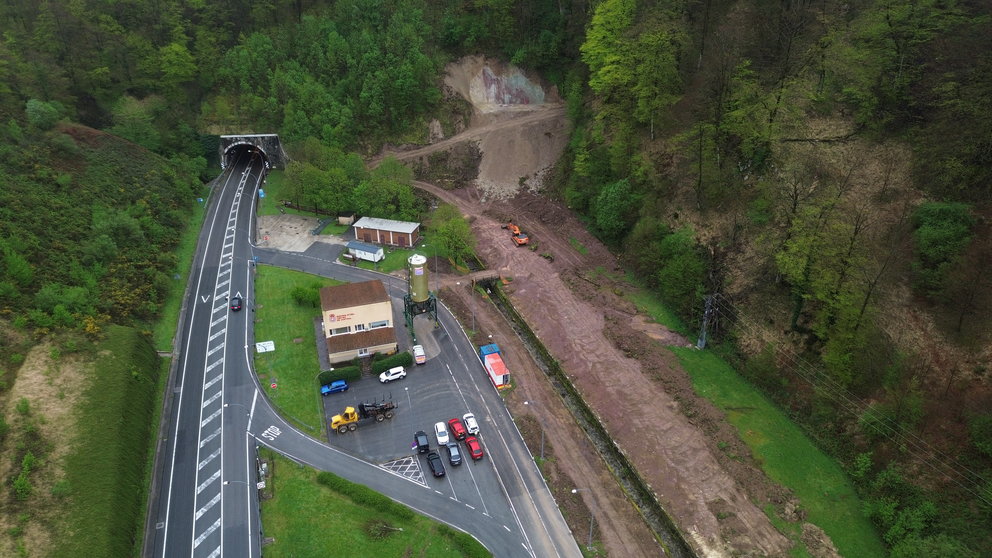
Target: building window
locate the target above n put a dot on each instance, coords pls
(359, 327)
(363, 352)
(377, 325)
(341, 330)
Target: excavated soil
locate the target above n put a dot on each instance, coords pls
(569, 288)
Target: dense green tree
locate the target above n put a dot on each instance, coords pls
(614, 210)
(942, 231)
(682, 273)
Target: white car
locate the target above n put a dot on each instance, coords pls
(392, 374)
(441, 431)
(419, 356)
(469, 421)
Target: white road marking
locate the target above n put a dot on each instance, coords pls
(208, 459)
(212, 382)
(212, 399)
(210, 437)
(213, 502)
(206, 533)
(210, 418)
(205, 483)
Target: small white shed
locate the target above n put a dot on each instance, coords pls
(367, 252)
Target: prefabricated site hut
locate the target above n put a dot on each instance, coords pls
(357, 320)
(387, 231)
(364, 251)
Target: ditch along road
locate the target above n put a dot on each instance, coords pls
(570, 290)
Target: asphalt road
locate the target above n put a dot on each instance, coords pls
(204, 500)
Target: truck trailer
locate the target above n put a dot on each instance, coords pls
(492, 361)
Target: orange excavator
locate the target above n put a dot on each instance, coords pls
(516, 235)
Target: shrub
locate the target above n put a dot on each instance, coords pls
(23, 406)
(22, 486)
(399, 359)
(343, 373)
(980, 428)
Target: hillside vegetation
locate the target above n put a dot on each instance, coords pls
(823, 169)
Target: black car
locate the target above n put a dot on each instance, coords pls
(235, 304)
(421, 442)
(454, 454)
(437, 466)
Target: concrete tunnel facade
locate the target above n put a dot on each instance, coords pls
(267, 144)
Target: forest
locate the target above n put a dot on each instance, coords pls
(814, 176)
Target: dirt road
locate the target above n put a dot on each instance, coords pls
(569, 288)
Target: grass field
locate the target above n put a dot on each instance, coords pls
(647, 302)
(165, 328)
(106, 476)
(293, 365)
(786, 454)
(308, 519)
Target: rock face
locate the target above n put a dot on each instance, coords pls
(517, 123)
(493, 86)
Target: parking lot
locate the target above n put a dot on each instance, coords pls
(432, 392)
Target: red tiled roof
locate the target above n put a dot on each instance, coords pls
(352, 294)
(361, 340)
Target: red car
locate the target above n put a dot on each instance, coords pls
(457, 429)
(474, 447)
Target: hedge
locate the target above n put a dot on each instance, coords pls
(343, 373)
(399, 359)
(364, 496)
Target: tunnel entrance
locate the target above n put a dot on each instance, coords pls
(266, 146)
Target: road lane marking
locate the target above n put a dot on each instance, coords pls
(207, 460)
(206, 533)
(215, 336)
(207, 482)
(214, 364)
(215, 553)
(212, 382)
(210, 418)
(206, 507)
(212, 399)
(210, 437)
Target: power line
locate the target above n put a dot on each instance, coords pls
(826, 385)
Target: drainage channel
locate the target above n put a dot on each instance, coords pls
(637, 490)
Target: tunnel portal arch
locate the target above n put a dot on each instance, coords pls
(267, 144)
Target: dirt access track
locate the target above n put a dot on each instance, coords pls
(573, 300)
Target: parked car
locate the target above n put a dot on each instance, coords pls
(334, 387)
(419, 356)
(435, 463)
(392, 374)
(470, 424)
(235, 303)
(454, 454)
(441, 431)
(474, 447)
(457, 429)
(422, 442)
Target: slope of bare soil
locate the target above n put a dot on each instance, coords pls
(613, 356)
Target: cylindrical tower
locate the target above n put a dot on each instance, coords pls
(419, 290)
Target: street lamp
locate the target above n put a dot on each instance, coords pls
(529, 403)
(592, 516)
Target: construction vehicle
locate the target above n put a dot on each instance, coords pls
(516, 235)
(348, 420)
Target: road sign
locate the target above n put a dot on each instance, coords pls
(261, 193)
(265, 346)
(272, 385)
